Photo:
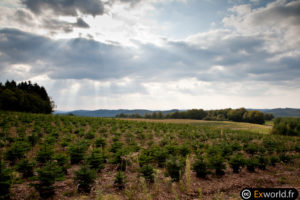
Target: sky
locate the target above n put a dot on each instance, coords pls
(154, 54)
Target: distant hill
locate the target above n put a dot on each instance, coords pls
(110, 113)
(277, 112)
(282, 112)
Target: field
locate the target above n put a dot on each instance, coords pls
(222, 125)
(143, 159)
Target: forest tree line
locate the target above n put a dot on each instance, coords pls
(25, 97)
(237, 115)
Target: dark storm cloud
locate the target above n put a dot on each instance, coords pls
(75, 58)
(58, 7)
(81, 23)
(21, 47)
(130, 2)
(274, 14)
(240, 59)
(56, 25)
(23, 17)
(66, 7)
(277, 23)
(239, 50)
(71, 7)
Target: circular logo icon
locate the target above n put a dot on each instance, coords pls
(246, 194)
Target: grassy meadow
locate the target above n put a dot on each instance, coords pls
(222, 125)
(68, 157)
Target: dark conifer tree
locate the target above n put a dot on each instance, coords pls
(25, 97)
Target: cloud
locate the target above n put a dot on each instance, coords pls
(74, 7)
(47, 13)
(255, 54)
(278, 23)
(74, 58)
(131, 2)
(110, 88)
(23, 17)
(229, 59)
(81, 23)
(66, 8)
(278, 13)
(56, 25)
(113, 19)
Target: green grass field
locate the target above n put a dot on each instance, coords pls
(49, 155)
(222, 125)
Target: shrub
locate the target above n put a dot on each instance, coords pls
(236, 162)
(217, 163)
(33, 139)
(100, 142)
(45, 154)
(134, 147)
(5, 181)
(251, 148)
(148, 172)
(184, 150)
(96, 160)
(17, 151)
(46, 177)
(118, 158)
(85, 178)
(262, 162)
(251, 164)
(146, 157)
(214, 150)
(175, 167)
(286, 126)
(62, 161)
(236, 146)
(160, 155)
(115, 146)
(172, 149)
(226, 149)
(271, 144)
(297, 147)
(65, 141)
(26, 168)
(120, 180)
(50, 140)
(90, 135)
(274, 160)
(77, 152)
(201, 168)
(285, 158)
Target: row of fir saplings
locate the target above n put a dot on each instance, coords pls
(53, 166)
